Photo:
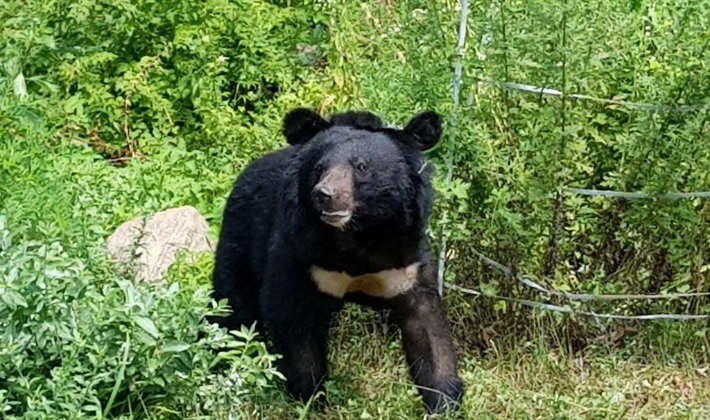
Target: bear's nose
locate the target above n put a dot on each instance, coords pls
(322, 195)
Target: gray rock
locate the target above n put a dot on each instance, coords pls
(149, 245)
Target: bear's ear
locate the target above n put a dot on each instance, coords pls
(302, 124)
(425, 130)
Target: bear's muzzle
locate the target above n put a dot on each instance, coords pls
(333, 196)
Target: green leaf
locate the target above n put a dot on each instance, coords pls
(19, 86)
(13, 299)
(489, 289)
(147, 325)
(44, 83)
(175, 347)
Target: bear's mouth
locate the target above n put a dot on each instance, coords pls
(337, 219)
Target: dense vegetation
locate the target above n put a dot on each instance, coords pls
(113, 110)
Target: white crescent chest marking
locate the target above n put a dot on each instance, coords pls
(384, 284)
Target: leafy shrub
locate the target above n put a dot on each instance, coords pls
(79, 344)
(133, 76)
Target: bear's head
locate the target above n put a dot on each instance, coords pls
(355, 174)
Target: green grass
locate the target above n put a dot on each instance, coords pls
(370, 381)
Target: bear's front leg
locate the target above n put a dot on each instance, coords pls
(297, 318)
(304, 364)
(429, 348)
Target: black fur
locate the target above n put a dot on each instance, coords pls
(272, 235)
(357, 119)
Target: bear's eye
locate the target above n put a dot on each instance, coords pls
(361, 166)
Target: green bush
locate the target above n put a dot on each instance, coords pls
(80, 344)
(134, 76)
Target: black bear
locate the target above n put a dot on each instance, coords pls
(338, 215)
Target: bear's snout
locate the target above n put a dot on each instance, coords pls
(333, 196)
(322, 196)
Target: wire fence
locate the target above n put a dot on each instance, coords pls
(579, 296)
(456, 96)
(571, 311)
(635, 105)
(637, 195)
(545, 290)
